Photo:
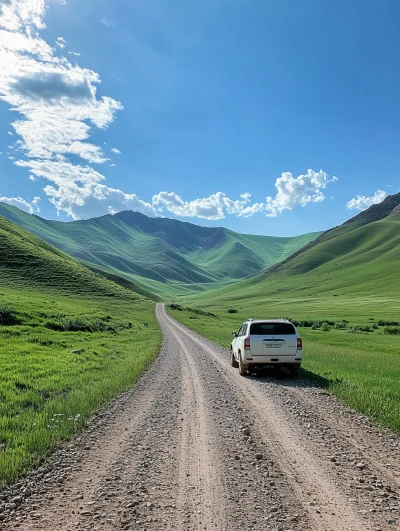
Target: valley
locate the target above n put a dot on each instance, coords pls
(185, 429)
(160, 257)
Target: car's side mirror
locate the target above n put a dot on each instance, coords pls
(234, 334)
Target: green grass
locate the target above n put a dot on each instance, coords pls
(158, 255)
(69, 341)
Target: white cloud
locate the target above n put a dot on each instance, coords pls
(21, 203)
(61, 42)
(57, 108)
(213, 207)
(362, 202)
(297, 191)
(78, 190)
(73, 52)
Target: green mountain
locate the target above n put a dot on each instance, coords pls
(29, 263)
(388, 207)
(359, 258)
(160, 255)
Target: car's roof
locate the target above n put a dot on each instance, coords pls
(268, 321)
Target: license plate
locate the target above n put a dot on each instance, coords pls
(273, 345)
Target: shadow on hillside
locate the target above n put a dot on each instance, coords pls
(281, 377)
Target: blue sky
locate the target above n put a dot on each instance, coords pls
(266, 117)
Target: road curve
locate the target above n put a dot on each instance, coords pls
(195, 446)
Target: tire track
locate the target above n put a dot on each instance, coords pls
(199, 481)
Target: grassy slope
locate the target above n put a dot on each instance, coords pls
(47, 368)
(162, 256)
(363, 263)
(354, 276)
(387, 208)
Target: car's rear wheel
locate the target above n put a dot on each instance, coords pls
(243, 369)
(234, 363)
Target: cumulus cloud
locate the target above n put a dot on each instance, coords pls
(301, 190)
(116, 151)
(78, 190)
(53, 87)
(56, 102)
(21, 203)
(213, 207)
(362, 202)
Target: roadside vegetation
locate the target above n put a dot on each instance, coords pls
(351, 348)
(69, 341)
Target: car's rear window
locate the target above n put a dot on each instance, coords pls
(272, 329)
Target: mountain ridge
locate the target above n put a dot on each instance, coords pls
(161, 255)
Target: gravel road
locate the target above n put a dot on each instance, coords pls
(196, 446)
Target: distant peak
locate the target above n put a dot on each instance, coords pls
(377, 211)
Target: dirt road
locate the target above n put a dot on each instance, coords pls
(195, 446)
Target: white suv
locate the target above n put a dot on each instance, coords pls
(265, 344)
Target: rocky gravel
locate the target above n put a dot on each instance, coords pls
(195, 446)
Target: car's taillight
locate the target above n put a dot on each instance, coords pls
(299, 344)
(246, 343)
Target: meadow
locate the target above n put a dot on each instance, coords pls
(70, 340)
(61, 361)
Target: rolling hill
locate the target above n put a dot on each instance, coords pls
(160, 255)
(359, 258)
(29, 263)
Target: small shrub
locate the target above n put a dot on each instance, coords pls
(366, 328)
(8, 317)
(232, 310)
(76, 324)
(392, 330)
(176, 307)
(358, 329)
(325, 327)
(315, 326)
(200, 312)
(340, 325)
(381, 322)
